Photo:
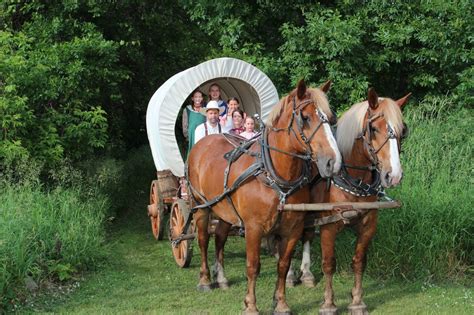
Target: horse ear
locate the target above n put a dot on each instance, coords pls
(373, 98)
(403, 100)
(326, 86)
(301, 89)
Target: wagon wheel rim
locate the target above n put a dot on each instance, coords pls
(157, 224)
(181, 252)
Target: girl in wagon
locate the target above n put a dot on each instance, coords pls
(226, 120)
(249, 126)
(192, 117)
(215, 95)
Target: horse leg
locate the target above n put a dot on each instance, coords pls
(253, 238)
(307, 277)
(221, 233)
(291, 279)
(287, 245)
(366, 231)
(202, 220)
(328, 240)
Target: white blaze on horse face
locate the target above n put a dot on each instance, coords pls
(333, 144)
(396, 173)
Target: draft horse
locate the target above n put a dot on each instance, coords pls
(268, 173)
(368, 135)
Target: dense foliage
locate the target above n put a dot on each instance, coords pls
(395, 46)
(76, 76)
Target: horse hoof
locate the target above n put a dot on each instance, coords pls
(247, 312)
(328, 311)
(223, 285)
(359, 309)
(204, 287)
(290, 283)
(309, 283)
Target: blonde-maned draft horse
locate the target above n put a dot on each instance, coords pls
(269, 173)
(369, 137)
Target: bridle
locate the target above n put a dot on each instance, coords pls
(298, 118)
(367, 134)
(356, 186)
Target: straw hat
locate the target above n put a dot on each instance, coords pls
(212, 105)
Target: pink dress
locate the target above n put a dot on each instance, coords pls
(248, 135)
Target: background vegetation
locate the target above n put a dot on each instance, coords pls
(76, 78)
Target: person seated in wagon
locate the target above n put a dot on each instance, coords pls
(211, 126)
(193, 117)
(215, 95)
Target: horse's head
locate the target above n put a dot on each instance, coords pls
(382, 133)
(305, 115)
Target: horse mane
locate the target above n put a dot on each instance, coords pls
(318, 97)
(351, 124)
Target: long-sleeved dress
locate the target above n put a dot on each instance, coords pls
(191, 119)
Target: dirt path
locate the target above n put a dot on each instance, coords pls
(140, 276)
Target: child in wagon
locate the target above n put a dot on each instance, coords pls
(249, 126)
(215, 95)
(226, 121)
(192, 117)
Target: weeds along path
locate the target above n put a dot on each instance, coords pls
(140, 276)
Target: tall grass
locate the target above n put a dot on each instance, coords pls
(432, 235)
(46, 234)
(51, 230)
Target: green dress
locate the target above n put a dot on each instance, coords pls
(194, 120)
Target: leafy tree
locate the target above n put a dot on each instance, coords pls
(76, 77)
(397, 46)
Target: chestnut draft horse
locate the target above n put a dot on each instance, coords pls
(368, 135)
(268, 173)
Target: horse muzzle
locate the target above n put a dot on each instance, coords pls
(327, 166)
(390, 179)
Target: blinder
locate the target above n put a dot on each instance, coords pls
(405, 132)
(300, 120)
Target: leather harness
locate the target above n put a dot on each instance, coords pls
(263, 167)
(355, 186)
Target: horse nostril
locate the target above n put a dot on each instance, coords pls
(387, 177)
(330, 165)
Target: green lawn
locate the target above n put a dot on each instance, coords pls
(141, 276)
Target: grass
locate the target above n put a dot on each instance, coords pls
(140, 276)
(46, 235)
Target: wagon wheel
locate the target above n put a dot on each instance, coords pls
(183, 252)
(156, 211)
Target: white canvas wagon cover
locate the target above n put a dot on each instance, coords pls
(236, 78)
